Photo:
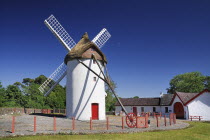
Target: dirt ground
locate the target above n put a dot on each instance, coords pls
(24, 125)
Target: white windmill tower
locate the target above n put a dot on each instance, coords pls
(85, 87)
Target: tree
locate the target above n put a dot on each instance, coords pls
(207, 82)
(27, 81)
(188, 82)
(13, 96)
(40, 80)
(136, 97)
(110, 99)
(27, 94)
(57, 98)
(34, 98)
(2, 95)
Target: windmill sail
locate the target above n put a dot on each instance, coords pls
(53, 80)
(101, 38)
(57, 29)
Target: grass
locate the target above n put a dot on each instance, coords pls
(196, 131)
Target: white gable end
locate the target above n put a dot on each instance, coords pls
(200, 106)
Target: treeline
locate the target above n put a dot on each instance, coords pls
(191, 82)
(26, 94)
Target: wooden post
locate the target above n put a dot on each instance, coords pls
(90, 123)
(157, 121)
(170, 118)
(54, 123)
(122, 122)
(34, 123)
(174, 118)
(137, 122)
(107, 123)
(165, 119)
(13, 124)
(191, 118)
(160, 115)
(146, 120)
(199, 118)
(73, 123)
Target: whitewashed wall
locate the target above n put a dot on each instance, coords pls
(162, 110)
(82, 90)
(200, 106)
(146, 109)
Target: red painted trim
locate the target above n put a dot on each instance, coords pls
(205, 90)
(175, 94)
(180, 99)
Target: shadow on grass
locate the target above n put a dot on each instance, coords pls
(49, 115)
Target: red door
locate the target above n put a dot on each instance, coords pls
(135, 110)
(94, 111)
(179, 110)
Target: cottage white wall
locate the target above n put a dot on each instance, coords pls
(163, 111)
(200, 106)
(117, 110)
(129, 109)
(82, 90)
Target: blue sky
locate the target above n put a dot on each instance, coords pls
(152, 41)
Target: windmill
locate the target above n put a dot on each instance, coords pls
(84, 66)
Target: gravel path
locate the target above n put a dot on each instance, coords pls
(24, 125)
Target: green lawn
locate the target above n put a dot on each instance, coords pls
(197, 130)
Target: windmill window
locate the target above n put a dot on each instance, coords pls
(94, 61)
(94, 79)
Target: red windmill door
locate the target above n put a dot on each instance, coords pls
(179, 110)
(94, 111)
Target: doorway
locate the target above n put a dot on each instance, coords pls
(179, 110)
(135, 110)
(94, 107)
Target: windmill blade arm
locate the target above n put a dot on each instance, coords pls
(55, 84)
(60, 33)
(53, 80)
(101, 38)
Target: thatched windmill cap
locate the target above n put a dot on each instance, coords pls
(84, 49)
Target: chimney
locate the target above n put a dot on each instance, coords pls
(161, 94)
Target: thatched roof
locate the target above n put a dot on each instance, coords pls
(185, 97)
(139, 102)
(81, 47)
(164, 100)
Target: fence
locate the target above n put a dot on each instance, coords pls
(6, 111)
(47, 124)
